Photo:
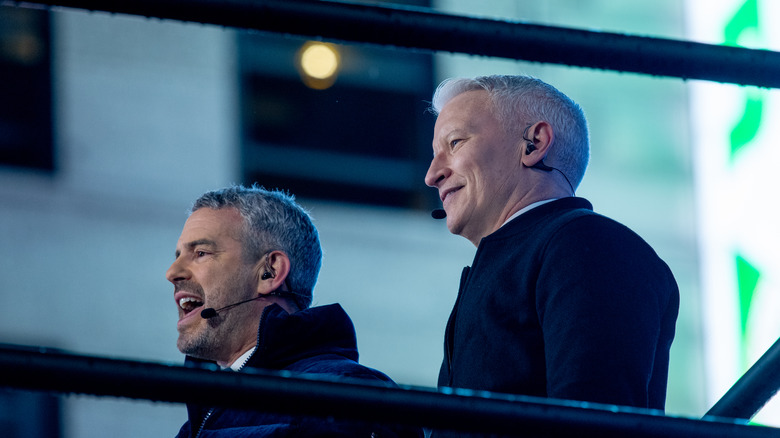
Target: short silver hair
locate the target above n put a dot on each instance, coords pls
(274, 221)
(520, 101)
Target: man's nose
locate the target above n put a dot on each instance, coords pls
(177, 271)
(437, 172)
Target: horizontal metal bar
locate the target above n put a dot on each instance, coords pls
(751, 392)
(36, 369)
(425, 29)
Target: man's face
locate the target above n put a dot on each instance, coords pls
(475, 166)
(209, 271)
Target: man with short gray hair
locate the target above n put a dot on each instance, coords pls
(245, 269)
(559, 301)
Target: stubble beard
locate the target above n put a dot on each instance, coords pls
(213, 340)
(200, 344)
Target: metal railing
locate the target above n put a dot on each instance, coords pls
(426, 29)
(751, 392)
(33, 368)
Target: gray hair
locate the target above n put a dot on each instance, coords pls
(520, 101)
(274, 221)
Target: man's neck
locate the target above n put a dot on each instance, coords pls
(239, 362)
(527, 208)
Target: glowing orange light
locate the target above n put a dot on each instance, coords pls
(318, 64)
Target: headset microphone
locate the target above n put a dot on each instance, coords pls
(529, 148)
(210, 312)
(541, 166)
(439, 213)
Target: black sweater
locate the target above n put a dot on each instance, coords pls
(564, 303)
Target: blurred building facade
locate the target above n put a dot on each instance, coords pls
(147, 114)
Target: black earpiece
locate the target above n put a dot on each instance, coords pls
(529, 147)
(269, 270)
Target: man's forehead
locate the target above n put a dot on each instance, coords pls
(211, 225)
(221, 216)
(470, 98)
(464, 111)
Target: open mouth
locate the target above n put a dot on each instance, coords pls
(188, 304)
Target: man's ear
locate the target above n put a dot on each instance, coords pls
(271, 272)
(536, 143)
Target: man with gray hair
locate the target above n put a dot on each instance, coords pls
(245, 269)
(559, 301)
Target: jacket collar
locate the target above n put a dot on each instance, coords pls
(519, 223)
(284, 338)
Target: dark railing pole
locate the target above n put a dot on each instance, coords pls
(461, 410)
(753, 389)
(418, 28)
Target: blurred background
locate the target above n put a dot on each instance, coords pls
(111, 125)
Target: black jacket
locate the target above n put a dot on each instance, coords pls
(564, 303)
(319, 341)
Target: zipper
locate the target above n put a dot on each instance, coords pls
(259, 330)
(203, 423)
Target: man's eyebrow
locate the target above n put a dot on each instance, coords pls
(199, 242)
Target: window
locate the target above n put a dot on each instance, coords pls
(25, 89)
(365, 138)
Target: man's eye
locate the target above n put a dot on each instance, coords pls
(455, 142)
(201, 253)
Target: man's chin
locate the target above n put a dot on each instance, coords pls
(192, 347)
(454, 225)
